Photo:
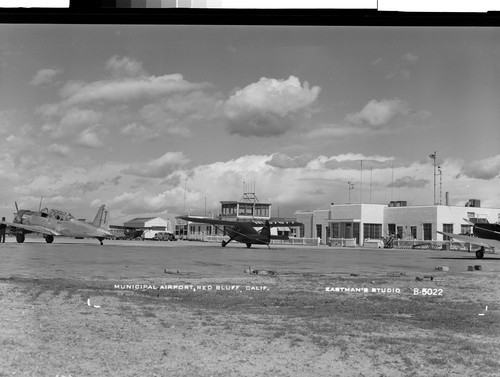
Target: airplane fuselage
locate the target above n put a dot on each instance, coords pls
(252, 239)
(487, 230)
(54, 223)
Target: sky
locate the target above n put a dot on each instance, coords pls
(165, 120)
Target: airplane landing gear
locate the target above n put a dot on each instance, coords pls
(20, 238)
(49, 238)
(249, 245)
(480, 253)
(224, 243)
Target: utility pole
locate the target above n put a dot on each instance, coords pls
(433, 157)
(440, 184)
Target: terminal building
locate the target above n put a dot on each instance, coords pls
(363, 222)
(248, 208)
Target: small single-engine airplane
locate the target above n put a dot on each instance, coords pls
(486, 235)
(243, 231)
(54, 223)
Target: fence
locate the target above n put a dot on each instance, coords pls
(342, 242)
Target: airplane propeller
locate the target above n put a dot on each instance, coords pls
(17, 208)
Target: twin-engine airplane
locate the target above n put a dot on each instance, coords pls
(243, 231)
(54, 223)
(485, 235)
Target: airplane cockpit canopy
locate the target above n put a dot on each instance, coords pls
(59, 215)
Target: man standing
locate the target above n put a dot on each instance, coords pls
(3, 228)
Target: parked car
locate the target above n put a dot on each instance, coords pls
(164, 236)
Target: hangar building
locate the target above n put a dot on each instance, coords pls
(375, 221)
(159, 224)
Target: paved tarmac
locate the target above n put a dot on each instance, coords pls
(123, 260)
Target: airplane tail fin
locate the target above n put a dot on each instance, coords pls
(101, 218)
(266, 231)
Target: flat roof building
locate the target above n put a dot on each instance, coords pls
(376, 221)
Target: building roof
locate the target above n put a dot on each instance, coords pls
(141, 219)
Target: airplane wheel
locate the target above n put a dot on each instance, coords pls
(249, 245)
(49, 239)
(20, 238)
(224, 243)
(480, 254)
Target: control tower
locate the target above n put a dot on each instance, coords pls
(248, 208)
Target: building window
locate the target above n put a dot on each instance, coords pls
(373, 231)
(427, 231)
(246, 210)
(391, 228)
(447, 228)
(400, 232)
(465, 229)
(413, 231)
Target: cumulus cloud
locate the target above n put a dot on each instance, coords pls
(138, 131)
(89, 139)
(488, 168)
(352, 161)
(409, 182)
(333, 131)
(410, 58)
(124, 67)
(126, 89)
(160, 167)
(379, 113)
(269, 106)
(280, 160)
(143, 202)
(44, 76)
(399, 72)
(60, 150)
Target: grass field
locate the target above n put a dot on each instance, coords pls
(295, 327)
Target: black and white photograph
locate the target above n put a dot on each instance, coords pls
(217, 199)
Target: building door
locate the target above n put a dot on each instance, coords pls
(356, 234)
(319, 232)
(348, 230)
(427, 231)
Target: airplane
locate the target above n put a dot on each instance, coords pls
(485, 235)
(243, 231)
(54, 223)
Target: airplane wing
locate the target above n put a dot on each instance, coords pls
(239, 223)
(137, 227)
(474, 240)
(33, 228)
(208, 221)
